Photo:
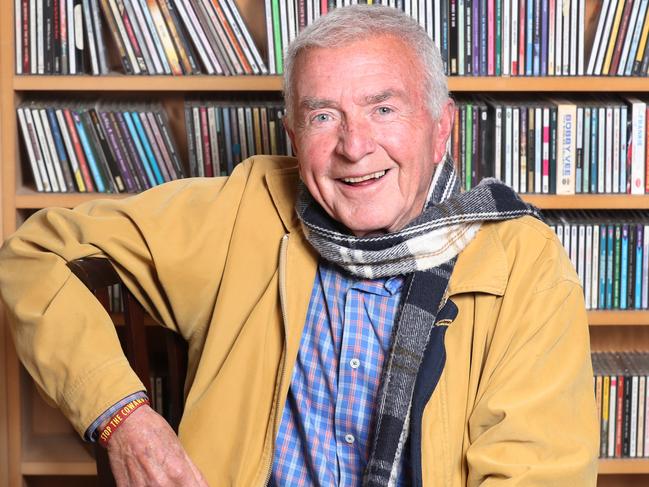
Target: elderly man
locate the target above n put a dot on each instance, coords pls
(352, 318)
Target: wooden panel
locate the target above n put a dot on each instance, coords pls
(147, 83)
(29, 198)
(627, 465)
(590, 26)
(4, 419)
(8, 137)
(546, 85)
(588, 201)
(254, 14)
(56, 455)
(615, 338)
(43, 419)
(622, 480)
(618, 317)
(7, 122)
(274, 83)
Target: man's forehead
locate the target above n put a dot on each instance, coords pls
(382, 46)
(368, 97)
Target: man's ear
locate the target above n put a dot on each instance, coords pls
(444, 129)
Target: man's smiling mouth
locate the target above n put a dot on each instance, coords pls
(367, 177)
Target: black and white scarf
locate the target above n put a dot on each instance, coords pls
(424, 252)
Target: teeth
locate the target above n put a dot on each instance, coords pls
(374, 175)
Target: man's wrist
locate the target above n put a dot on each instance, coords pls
(95, 429)
(118, 419)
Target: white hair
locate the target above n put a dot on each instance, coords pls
(345, 25)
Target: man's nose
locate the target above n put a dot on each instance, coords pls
(355, 140)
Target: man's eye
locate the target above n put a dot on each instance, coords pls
(384, 110)
(321, 117)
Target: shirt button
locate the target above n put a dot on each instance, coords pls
(354, 363)
(349, 439)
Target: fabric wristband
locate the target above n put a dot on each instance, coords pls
(118, 419)
(93, 431)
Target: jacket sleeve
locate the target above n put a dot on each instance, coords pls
(168, 244)
(535, 421)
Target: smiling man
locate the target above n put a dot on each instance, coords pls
(352, 317)
(367, 135)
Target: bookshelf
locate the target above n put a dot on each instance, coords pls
(273, 83)
(35, 452)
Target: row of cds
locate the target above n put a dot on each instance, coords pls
(475, 37)
(620, 381)
(610, 252)
(98, 148)
(182, 37)
(620, 44)
(543, 146)
(554, 145)
(59, 37)
(220, 135)
(151, 37)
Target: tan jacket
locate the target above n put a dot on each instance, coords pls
(225, 263)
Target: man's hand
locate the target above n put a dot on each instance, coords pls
(145, 451)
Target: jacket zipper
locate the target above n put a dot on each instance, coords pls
(283, 250)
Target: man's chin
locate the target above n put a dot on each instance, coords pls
(368, 221)
(367, 230)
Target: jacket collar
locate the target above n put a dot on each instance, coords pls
(481, 266)
(282, 185)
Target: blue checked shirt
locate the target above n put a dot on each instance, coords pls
(325, 433)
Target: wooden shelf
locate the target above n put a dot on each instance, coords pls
(29, 198)
(120, 82)
(65, 456)
(588, 201)
(618, 318)
(623, 465)
(548, 84)
(56, 455)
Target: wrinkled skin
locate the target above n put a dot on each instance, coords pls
(365, 138)
(145, 451)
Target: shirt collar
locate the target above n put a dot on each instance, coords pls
(382, 287)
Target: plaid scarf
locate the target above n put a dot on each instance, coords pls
(425, 251)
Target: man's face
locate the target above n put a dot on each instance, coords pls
(366, 142)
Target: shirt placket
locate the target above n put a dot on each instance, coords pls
(347, 400)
